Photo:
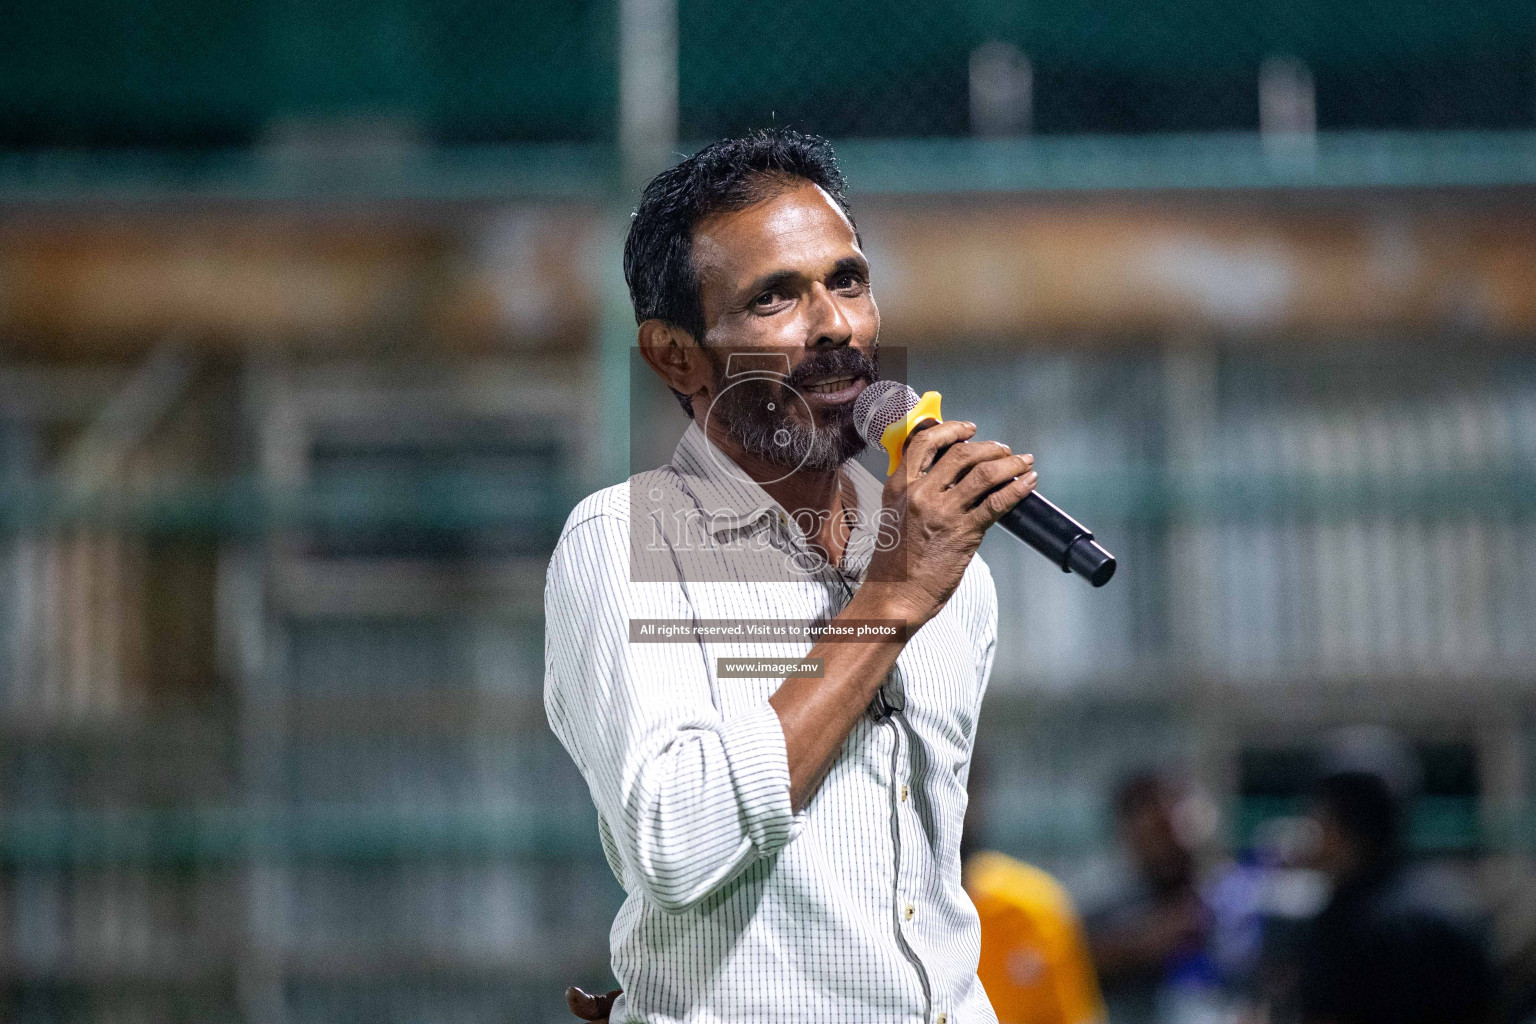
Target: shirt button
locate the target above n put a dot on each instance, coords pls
(907, 913)
(943, 1018)
(903, 794)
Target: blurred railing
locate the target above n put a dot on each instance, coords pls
(1337, 159)
(269, 698)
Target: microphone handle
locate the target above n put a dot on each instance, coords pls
(1056, 535)
(1050, 531)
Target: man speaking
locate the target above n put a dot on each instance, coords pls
(789, 846)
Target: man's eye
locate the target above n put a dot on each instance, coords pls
(848, 283)
(767, 299)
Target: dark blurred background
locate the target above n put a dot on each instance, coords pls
(312, 330)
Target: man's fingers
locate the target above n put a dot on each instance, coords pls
(994, 505)
(989, 470)
(924, 446)
(590, 1007)
(957, 462)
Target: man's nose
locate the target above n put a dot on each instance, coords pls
(830, 327)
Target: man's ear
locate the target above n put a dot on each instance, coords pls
(675, 356)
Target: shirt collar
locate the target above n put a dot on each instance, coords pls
(866, 527)
(725, 493)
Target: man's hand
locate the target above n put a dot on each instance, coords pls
(590, 1007)
(942, 509)
(943, 506)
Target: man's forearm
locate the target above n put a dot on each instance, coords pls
(818, 714)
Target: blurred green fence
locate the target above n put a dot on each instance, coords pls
(172, 72)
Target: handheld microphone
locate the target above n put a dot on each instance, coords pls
(887, 413)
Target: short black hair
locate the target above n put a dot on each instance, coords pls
(1368, 781)
(731, 174)
(1366, 809)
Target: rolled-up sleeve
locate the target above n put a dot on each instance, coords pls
(689, 798)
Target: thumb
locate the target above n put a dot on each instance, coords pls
(590, 1007)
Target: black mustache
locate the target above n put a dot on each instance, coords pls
(838, 362)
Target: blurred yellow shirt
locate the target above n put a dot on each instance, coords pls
(1034, 958)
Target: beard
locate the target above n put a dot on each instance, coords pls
(756, 412)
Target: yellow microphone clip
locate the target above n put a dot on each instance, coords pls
(894, 439)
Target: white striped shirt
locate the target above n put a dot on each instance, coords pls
(740, 910)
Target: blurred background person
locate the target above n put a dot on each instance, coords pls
(1034, 961)
(1149, 922)
(1395, 943)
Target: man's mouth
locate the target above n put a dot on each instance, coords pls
(841, 388)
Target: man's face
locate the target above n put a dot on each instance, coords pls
(1336, 853)
(784, 282)
(1150, 833)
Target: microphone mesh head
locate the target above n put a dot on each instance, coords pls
(878, 406)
